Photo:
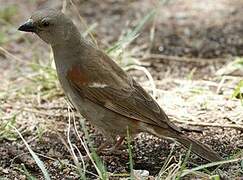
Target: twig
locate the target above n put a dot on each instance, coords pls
(149, 76)
(11, 56)
(180, 59)
(15, 58)
(44, 113)
(220, 85)
(74, 156)
(29, 141)
(185, 82)
(205, 124)
(84, 144)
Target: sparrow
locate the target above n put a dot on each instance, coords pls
(102, 91)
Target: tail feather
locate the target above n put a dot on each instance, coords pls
(196, 147)
(199, 148)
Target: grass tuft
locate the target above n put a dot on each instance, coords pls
(6, 132)
(34, 155)
(131, 35)
(26, 173)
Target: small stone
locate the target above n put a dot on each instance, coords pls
(4, 171)
(141, 174)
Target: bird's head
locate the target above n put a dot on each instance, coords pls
(50, 25)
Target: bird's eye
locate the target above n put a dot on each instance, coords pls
(45, 23)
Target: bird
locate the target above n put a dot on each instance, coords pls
(101, 90)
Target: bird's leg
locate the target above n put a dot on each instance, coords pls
(113, 149)
(102, 146)
(117, 144)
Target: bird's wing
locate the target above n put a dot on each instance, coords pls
(131, 101)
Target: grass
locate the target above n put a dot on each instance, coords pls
(230, 68)
(41, 80)
(179, 170)
(28, 175)
(35, 157)
(45, 80)
(42, 85)
(130, 35)
(7, 13)
(238, 92)
(132, 177)
(6, 132)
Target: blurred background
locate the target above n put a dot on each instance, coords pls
(187, 54)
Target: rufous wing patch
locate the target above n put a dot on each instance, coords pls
(76, 76)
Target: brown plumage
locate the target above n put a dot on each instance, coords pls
(100, 90)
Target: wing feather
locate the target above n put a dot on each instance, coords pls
(131, 101)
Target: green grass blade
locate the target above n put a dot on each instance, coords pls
(130, 36)
(130, 155)
(186, 172)
(27, 174)
(183, 166)
(35, 157)
(96, 160)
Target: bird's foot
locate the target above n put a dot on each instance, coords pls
(102, 149)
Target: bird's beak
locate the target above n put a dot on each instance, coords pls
(28, 26)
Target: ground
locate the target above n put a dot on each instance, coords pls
(187, 48)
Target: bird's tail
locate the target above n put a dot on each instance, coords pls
(196, 147)
(199, 148)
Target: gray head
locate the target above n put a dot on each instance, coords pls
(51, 25)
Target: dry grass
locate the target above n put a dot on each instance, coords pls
(32, 101)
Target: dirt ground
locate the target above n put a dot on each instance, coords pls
(187, 48)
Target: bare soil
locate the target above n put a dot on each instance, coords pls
(192, 41)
